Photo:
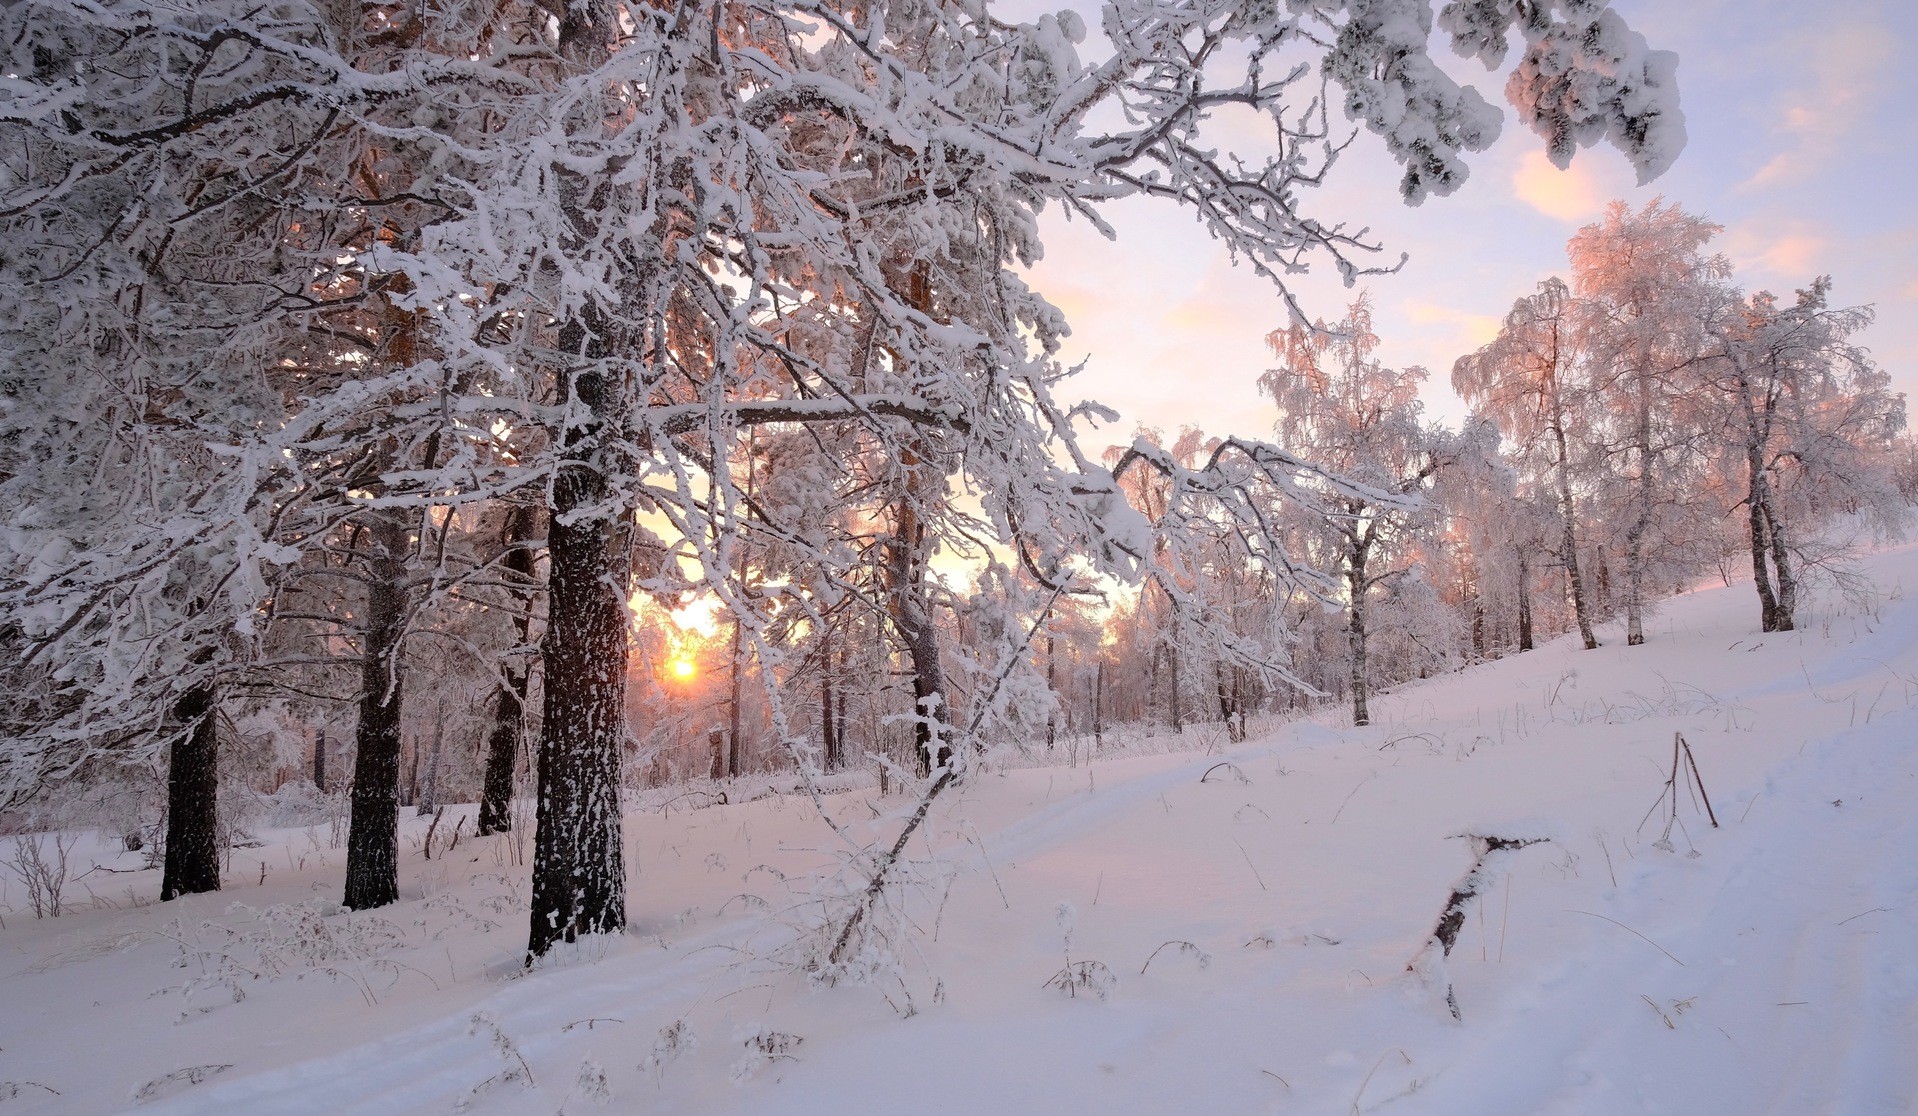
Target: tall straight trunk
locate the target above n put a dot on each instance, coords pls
(733, 686)
(1782, 565)
(193, 789)
(1355, 581)
(372, 843)
(319, 762)
(828, 726)
(509, 703)
(1524, 602)
(1641, 521)
(1768, 612)
(1052, 688)
(1175, 708)
(1099, 704)
(1569, 539)
(429, 797)
(579, 873)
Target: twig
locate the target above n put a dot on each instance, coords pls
(1862, 914)
(1505, 920)
(1348, 797)
(1693, 760)
(1624, 927)
(1249, 864)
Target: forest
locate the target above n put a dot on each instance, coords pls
(535, 425)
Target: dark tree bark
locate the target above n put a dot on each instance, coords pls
(372, 843)
(909, 607)
(829, 741)
(509, 705)
(1098, 704)
(1568, 541)
(1052, 687)
(579, 874)
(319, 761)
(1357, 558)
(1781, 565)
(1175, 706)
(193, 787)
(1524, 602)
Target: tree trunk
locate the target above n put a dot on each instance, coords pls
(1524, 602)
(319, 762)
(1641, 523)
(1760, 543)
(372, 843)
(1098, 704)
(1052, 688)
(429, 799)
(1355, 574)
(1228, 703)
(579, 874)
(1174, 706)
(1569, 541)
(1781, 564)
(193, 787)
(828, 726)
(509, 705)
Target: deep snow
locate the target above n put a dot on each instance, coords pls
(1776, 971)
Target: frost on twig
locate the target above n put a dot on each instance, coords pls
(513, 1066)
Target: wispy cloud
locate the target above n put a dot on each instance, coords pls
(1775, 252)
(1846, 69)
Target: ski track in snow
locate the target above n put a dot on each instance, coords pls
(1797, 927)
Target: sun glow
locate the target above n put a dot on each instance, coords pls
(682, 667)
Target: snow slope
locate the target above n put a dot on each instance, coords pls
(1774, 972)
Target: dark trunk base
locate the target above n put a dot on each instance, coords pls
(193, 789)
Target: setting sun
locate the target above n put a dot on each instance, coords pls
(682, 667)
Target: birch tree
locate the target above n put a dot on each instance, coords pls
(1364, 422)
(1809, 420)
(1528, 382)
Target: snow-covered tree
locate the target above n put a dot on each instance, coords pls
(1364, 422)
(1643, 282)
(1807, 422)
(1527, 381)
(621, 231)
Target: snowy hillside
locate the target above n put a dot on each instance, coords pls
(1234, 929)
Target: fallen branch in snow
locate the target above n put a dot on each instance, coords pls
(888, 860)
(1452, 916)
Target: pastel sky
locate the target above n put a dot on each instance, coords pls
(1803, 122)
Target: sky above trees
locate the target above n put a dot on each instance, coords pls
(1801, 145)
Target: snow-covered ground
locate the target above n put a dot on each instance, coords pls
(1774, 971)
